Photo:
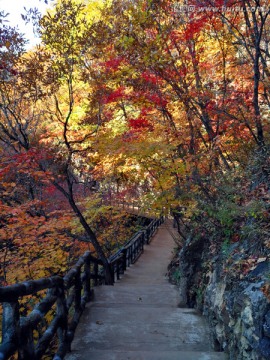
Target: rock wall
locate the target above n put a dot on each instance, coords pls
(232, 291)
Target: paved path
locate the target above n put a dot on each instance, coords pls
(139, 319)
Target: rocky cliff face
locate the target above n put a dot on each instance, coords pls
(232, 289)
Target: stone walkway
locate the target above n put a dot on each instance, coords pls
(139, 319)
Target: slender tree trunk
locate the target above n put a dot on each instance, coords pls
(92, 237)
(94, 241)
(256, 105)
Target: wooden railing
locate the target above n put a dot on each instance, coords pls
(65, 296)
(131, 251)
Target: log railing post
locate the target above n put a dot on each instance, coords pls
(146, 239)
(87, 279)
(128, 256)
(62, 314)
(124, 259)
(10, 328)
(118, 269)
(26, 345)
(78, 288)
(132, 252)
(141, 241)
(95, 273)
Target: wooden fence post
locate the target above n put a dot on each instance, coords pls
(62, 313)
(87, 279)
(124, 259)
(78, 288)
(95, 273)
(26, 345)
(10, 326)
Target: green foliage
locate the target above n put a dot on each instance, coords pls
(176, 276)
(199, 297)
(225, 247)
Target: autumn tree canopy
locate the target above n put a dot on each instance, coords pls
(161, 102)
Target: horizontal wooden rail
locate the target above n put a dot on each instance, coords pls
(133, 248)
(67, 296)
